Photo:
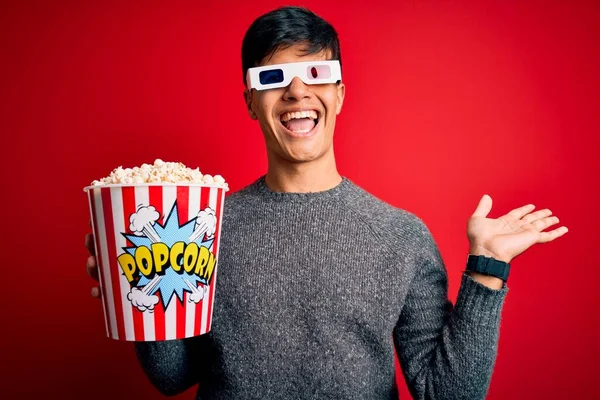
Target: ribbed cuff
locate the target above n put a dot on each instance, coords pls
(478, 303)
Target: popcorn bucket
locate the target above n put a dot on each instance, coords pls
(157, 247)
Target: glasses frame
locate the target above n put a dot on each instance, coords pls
(291, 70)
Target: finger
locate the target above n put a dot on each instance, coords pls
(96, 292)
(92, 267)
(544, 223)
(484, 207)
(89, 243)
(520, 212)
(546, 237)
(536, 215)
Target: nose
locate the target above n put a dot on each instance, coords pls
(297, 90)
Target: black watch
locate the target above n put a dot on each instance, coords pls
(488, 266)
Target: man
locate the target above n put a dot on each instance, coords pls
(319, 281)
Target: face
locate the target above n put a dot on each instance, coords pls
(297, 121)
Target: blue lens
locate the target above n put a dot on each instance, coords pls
(270, 76)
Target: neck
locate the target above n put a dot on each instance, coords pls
(302, 177)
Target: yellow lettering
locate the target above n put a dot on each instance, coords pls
(202, 261)
(143, 259)
(189, 257)
(160, 253)
(127, 264)
(210, 267)
(176, 252)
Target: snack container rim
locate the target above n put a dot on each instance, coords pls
(211, 185)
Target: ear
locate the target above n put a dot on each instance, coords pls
(248, 99)
(341, 92)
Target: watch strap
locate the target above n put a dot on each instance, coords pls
(488, 266)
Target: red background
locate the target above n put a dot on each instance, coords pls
(445, 101)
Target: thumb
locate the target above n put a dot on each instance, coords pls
(484, 207)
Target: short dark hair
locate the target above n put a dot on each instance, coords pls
(285, 27)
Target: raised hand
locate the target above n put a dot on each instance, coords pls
(506, 237)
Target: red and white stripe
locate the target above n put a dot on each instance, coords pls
(111, 208)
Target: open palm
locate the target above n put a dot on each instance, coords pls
(506, 237)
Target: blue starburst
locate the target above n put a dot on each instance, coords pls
(171, 232)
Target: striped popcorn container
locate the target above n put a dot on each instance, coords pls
(157, 247)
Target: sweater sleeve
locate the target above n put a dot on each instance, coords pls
(446, 351)
(171, 365)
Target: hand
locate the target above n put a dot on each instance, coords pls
(508, 236)
(91, 265)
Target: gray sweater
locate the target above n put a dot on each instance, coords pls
(315, 290)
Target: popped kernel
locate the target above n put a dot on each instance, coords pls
(160, 172)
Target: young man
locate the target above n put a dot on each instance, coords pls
(338, 279)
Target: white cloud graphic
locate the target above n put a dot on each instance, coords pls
(142, 222)
(197, 292)
(206, 223)
(141, 300)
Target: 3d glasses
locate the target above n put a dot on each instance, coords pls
(281, 75)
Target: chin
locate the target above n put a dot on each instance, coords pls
(302, 159)
(305, 155)
(302, 149)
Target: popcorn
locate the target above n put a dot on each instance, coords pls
(208, 179)
(160, 172)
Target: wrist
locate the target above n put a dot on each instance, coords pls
(479, 250)
(489, 281)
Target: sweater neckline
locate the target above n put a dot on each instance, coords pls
(334, 193)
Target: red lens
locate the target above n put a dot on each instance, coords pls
(318, 72)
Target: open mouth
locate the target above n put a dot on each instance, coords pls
(300, 123)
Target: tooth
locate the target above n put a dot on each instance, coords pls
(299, 114)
